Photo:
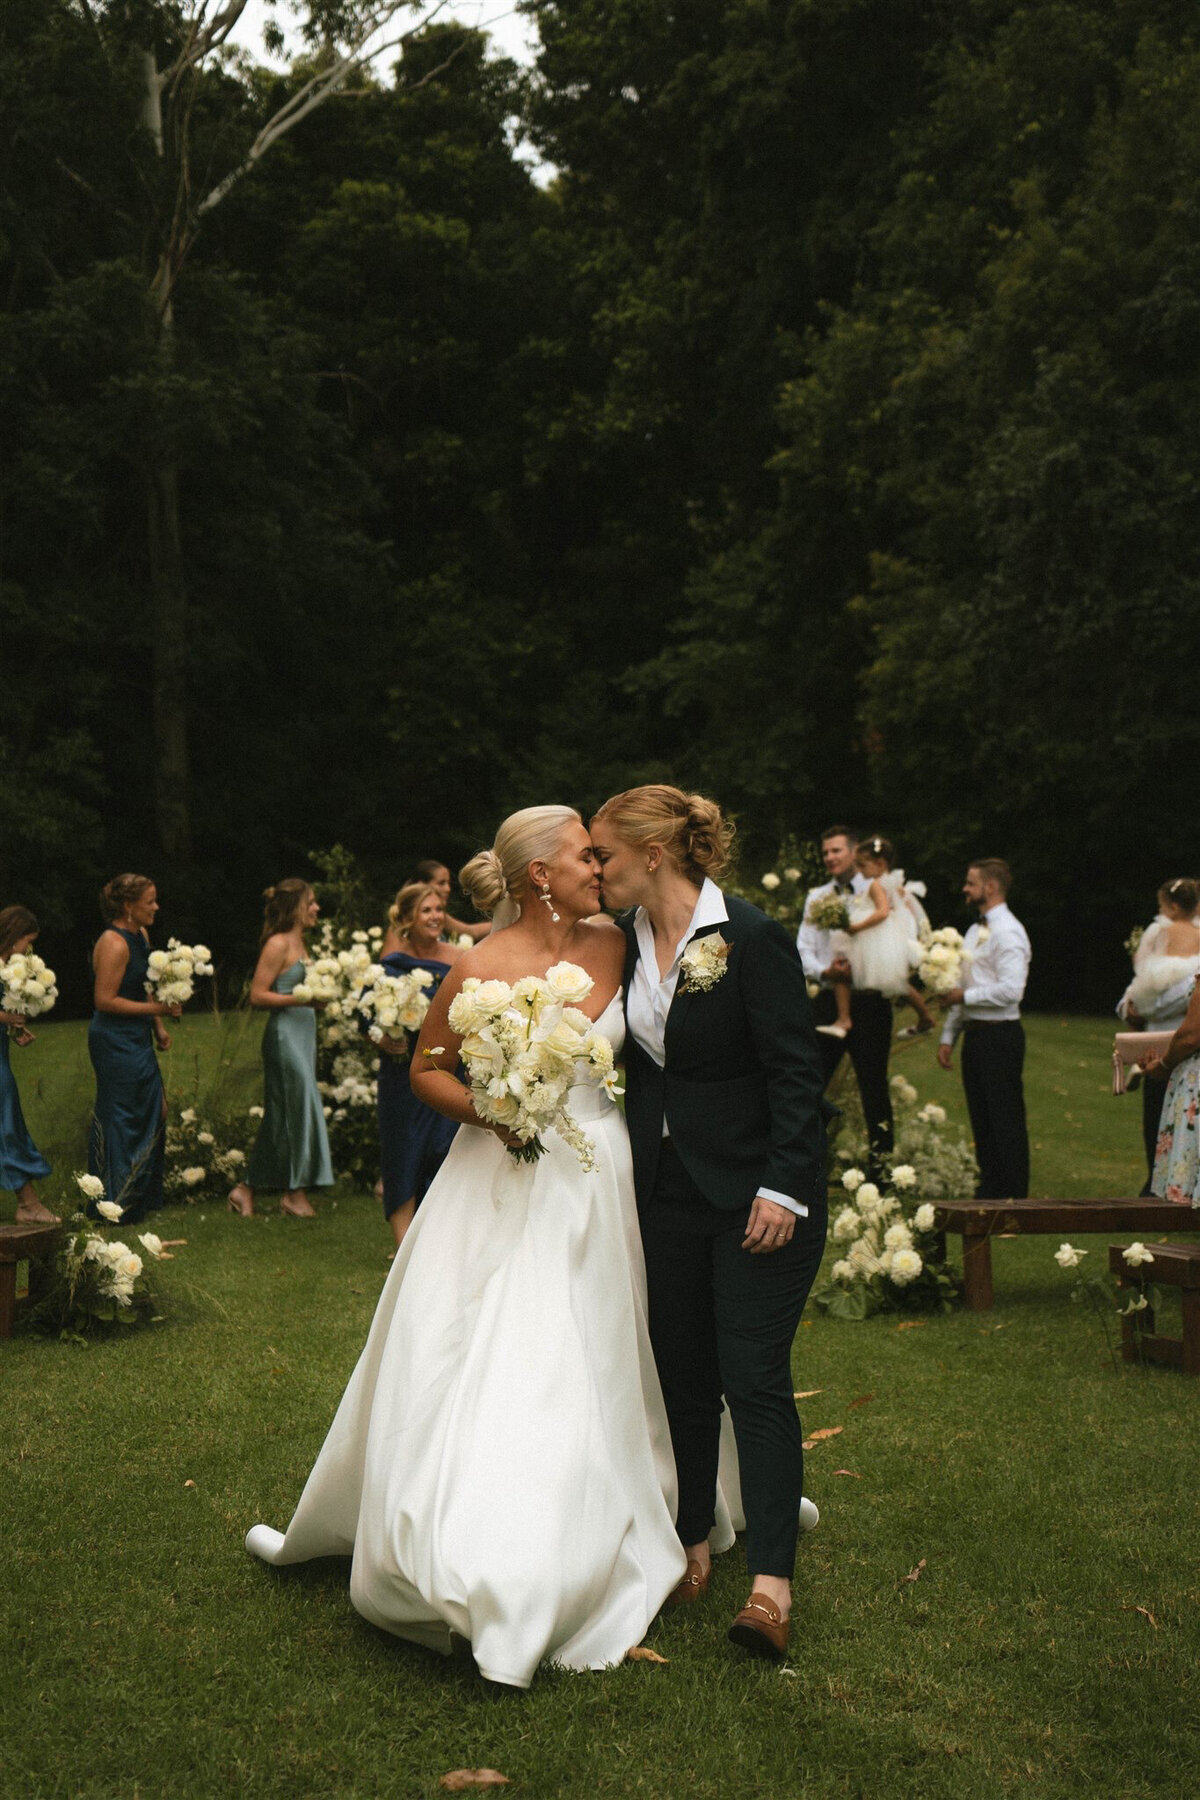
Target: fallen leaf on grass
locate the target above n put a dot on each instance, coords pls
(643, 1653)
(787, 1671)
(912, 1325)
(827, 1431)
(913, 1574)
(862, 1400)
(1145, 1612)
(189, 1484)
(850, 1472)
(173, 1243)
(808, 1393)
(458, 1779)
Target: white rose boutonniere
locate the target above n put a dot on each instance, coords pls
(703, 963)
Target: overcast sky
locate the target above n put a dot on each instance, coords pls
(512, 34)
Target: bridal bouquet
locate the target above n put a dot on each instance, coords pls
(390, 1004)
(174, 971)
(523, 1047)
(27, 986)
(829, 912)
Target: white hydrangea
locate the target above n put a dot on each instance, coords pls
(904, 1176)
(853, 1179)
(925, 1217)
(847, 1225)
(906, 1266)
(898, 1237)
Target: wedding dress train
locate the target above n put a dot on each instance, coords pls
(500, 1465)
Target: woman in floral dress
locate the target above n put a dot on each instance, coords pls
(1177, 1159)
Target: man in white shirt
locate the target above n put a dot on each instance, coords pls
(986, 1013)
(869, 1040)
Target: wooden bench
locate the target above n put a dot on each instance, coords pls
(1174, 1265)
(980, 1221)
(18, 1244)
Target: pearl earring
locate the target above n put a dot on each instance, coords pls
(549, 901)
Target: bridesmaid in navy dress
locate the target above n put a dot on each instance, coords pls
(126, 1143)
(413, 1139)
(21, 1162)
(291, 1150)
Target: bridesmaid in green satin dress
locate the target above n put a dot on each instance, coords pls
(291, 1151)
(21, 1162)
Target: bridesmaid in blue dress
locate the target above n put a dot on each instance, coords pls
(21, 1162)
(291, 1151)
(413, 1139)
(126, 1142)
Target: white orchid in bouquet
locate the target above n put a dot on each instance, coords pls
(389, 1005)
(28, 986)
(172, 973)
(524, 1046)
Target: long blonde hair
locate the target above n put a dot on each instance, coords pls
(694, 832)
(497, 880)
(407, 905)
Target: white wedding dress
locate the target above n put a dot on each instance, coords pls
(500, 1465)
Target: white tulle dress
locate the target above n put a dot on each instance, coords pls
(500, 1465)
(885, 955)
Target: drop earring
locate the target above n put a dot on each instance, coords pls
(549, 902)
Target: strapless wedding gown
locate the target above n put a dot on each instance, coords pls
(500, 1465)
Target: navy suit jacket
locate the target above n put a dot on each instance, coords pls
(742, 1090)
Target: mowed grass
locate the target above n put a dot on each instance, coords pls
(1048, 1497)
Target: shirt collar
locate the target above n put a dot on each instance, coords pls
(710, 909)
(994, 914)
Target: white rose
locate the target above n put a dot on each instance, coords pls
(1067, 1257)
(846, 1225)
(770, 881)
(932, 1114)
(904, 1176)
(192, 1177)
(108, 1209)
(235, 1156)
(151, 1243)
(205, 1137)
(188, 1115)
(853, 1180)
(91, 1186)
(129, 1267)
(303, 993)
(867, 1194)
(792, 874)
(925, 1217)
(568, 983)
(905, 1267)
(158, 961)
(1137, 1254)
(898, 1237)
(254, 1112)
(359, 937)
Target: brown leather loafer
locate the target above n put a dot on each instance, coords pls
(761, 1628)
(694, 1585)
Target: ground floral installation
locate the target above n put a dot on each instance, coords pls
(523, 1046)
(782, 890)
(891, 1255)
(27, 986)
(203, 1157)
(1102, 1294)
(99, 1284)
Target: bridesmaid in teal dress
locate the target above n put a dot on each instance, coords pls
(126, 1142)
(292, 1148)
(21, 1162)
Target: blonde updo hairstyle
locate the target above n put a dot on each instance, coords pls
(281, 906)
(695, 835)
(497, 880)
(407, 904)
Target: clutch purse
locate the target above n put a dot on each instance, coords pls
(1130, 1047)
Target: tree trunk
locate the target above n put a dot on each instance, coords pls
(169, 644)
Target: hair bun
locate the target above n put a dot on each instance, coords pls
(707, 836)
(484, 882)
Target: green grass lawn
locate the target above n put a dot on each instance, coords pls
(145, 1654)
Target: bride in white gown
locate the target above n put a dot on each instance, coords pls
(500, 1465)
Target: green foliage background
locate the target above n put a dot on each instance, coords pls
(824, 434)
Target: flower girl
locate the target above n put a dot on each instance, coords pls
(883, 945)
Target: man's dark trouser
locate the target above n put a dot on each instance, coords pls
(722, 1322)
(1154, 1092)
(993, 1057)
(869, 1045)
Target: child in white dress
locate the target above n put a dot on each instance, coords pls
(883, 941)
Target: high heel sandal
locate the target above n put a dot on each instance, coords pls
(288, 1205)
(241, 1201)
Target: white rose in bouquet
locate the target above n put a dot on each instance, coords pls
(28, 987)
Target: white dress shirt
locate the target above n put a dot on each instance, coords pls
(816, 946)
(651, 994)
(996, 972)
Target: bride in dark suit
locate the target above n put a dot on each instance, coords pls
(727, 1126)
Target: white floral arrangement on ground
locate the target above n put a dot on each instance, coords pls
(523, 1046)
(828, 912)
(390, 1005)
(703, 963)
(199, 1158)
(98, 1282)
(1102, 1293)
(940, 1156)
(172, 973)
(27, 985)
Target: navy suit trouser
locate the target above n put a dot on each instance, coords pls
(722, 1322)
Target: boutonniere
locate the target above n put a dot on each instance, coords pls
(703, 963)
